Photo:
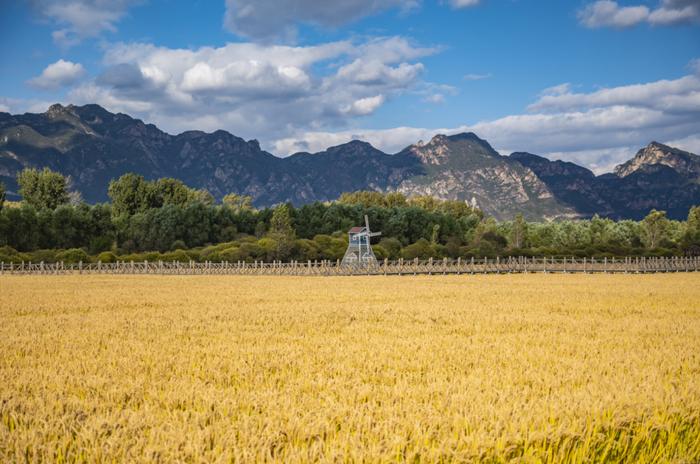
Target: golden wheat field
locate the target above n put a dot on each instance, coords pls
(517, 368)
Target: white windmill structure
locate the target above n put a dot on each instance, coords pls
(359, 250)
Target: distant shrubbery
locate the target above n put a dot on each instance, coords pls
(165, 220)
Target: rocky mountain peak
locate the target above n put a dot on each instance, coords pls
(435, 152)
(55, 110)
(443, 149)
(58, 111)
(684, 163)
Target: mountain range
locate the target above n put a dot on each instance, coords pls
(93, 146)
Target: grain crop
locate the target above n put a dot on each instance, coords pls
(509, 368)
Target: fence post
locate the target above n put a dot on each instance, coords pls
(459, 265)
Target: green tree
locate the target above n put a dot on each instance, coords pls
(282, 232)
(172, 192)
(203, 196)
(130, 194)
(654, 228)
(238, 203)
(693, 223)
(690, 241)
(435, 235)
(518, 231)
(43, 189)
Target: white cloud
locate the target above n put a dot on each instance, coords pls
(675, 12)
(598, 129)
(476, 77)
(690, 143)
(78, 19)
(436, 98)
(62, 73)
(18, 105)
(608, 13)
(665, 95)
(464, 3)
(275, 19)
(266, 91)
(556, 90)
(389, 140)
(436, 93)
(364, 106)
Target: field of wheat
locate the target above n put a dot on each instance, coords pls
(521, 368)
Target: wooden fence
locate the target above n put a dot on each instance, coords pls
(633, 265)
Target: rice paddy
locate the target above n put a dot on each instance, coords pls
(509, 368)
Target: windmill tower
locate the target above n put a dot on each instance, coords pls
(359, 250)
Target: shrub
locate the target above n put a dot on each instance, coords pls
(232, 255)
(177, 255)
(47, 256)
(392, 246)
(106, 257)
(178, 245)
(380, 252)
(73, 255)
(10, 255)
(251, 251)
(421, 250)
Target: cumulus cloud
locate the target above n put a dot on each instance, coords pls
(274, 19)
(78, 19)
(598, 129)
(59, 74)
(672, 96)
(608, 13)
(364, 106)
(256, 90)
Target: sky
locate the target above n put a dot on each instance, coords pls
(579, 80)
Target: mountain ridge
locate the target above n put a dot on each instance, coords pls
(93, 146)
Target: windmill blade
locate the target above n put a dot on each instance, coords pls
(367, 223)
(375, 234)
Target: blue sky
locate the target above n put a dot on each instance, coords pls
(589, 81)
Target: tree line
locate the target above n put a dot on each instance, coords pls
(165, 219)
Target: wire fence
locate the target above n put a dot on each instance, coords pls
(629, 265)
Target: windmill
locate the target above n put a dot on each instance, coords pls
(359, 247)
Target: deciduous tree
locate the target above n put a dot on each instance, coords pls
(43, 189)
(654, 228)
(281, 231)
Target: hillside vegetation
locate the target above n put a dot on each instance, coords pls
(166, 220)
